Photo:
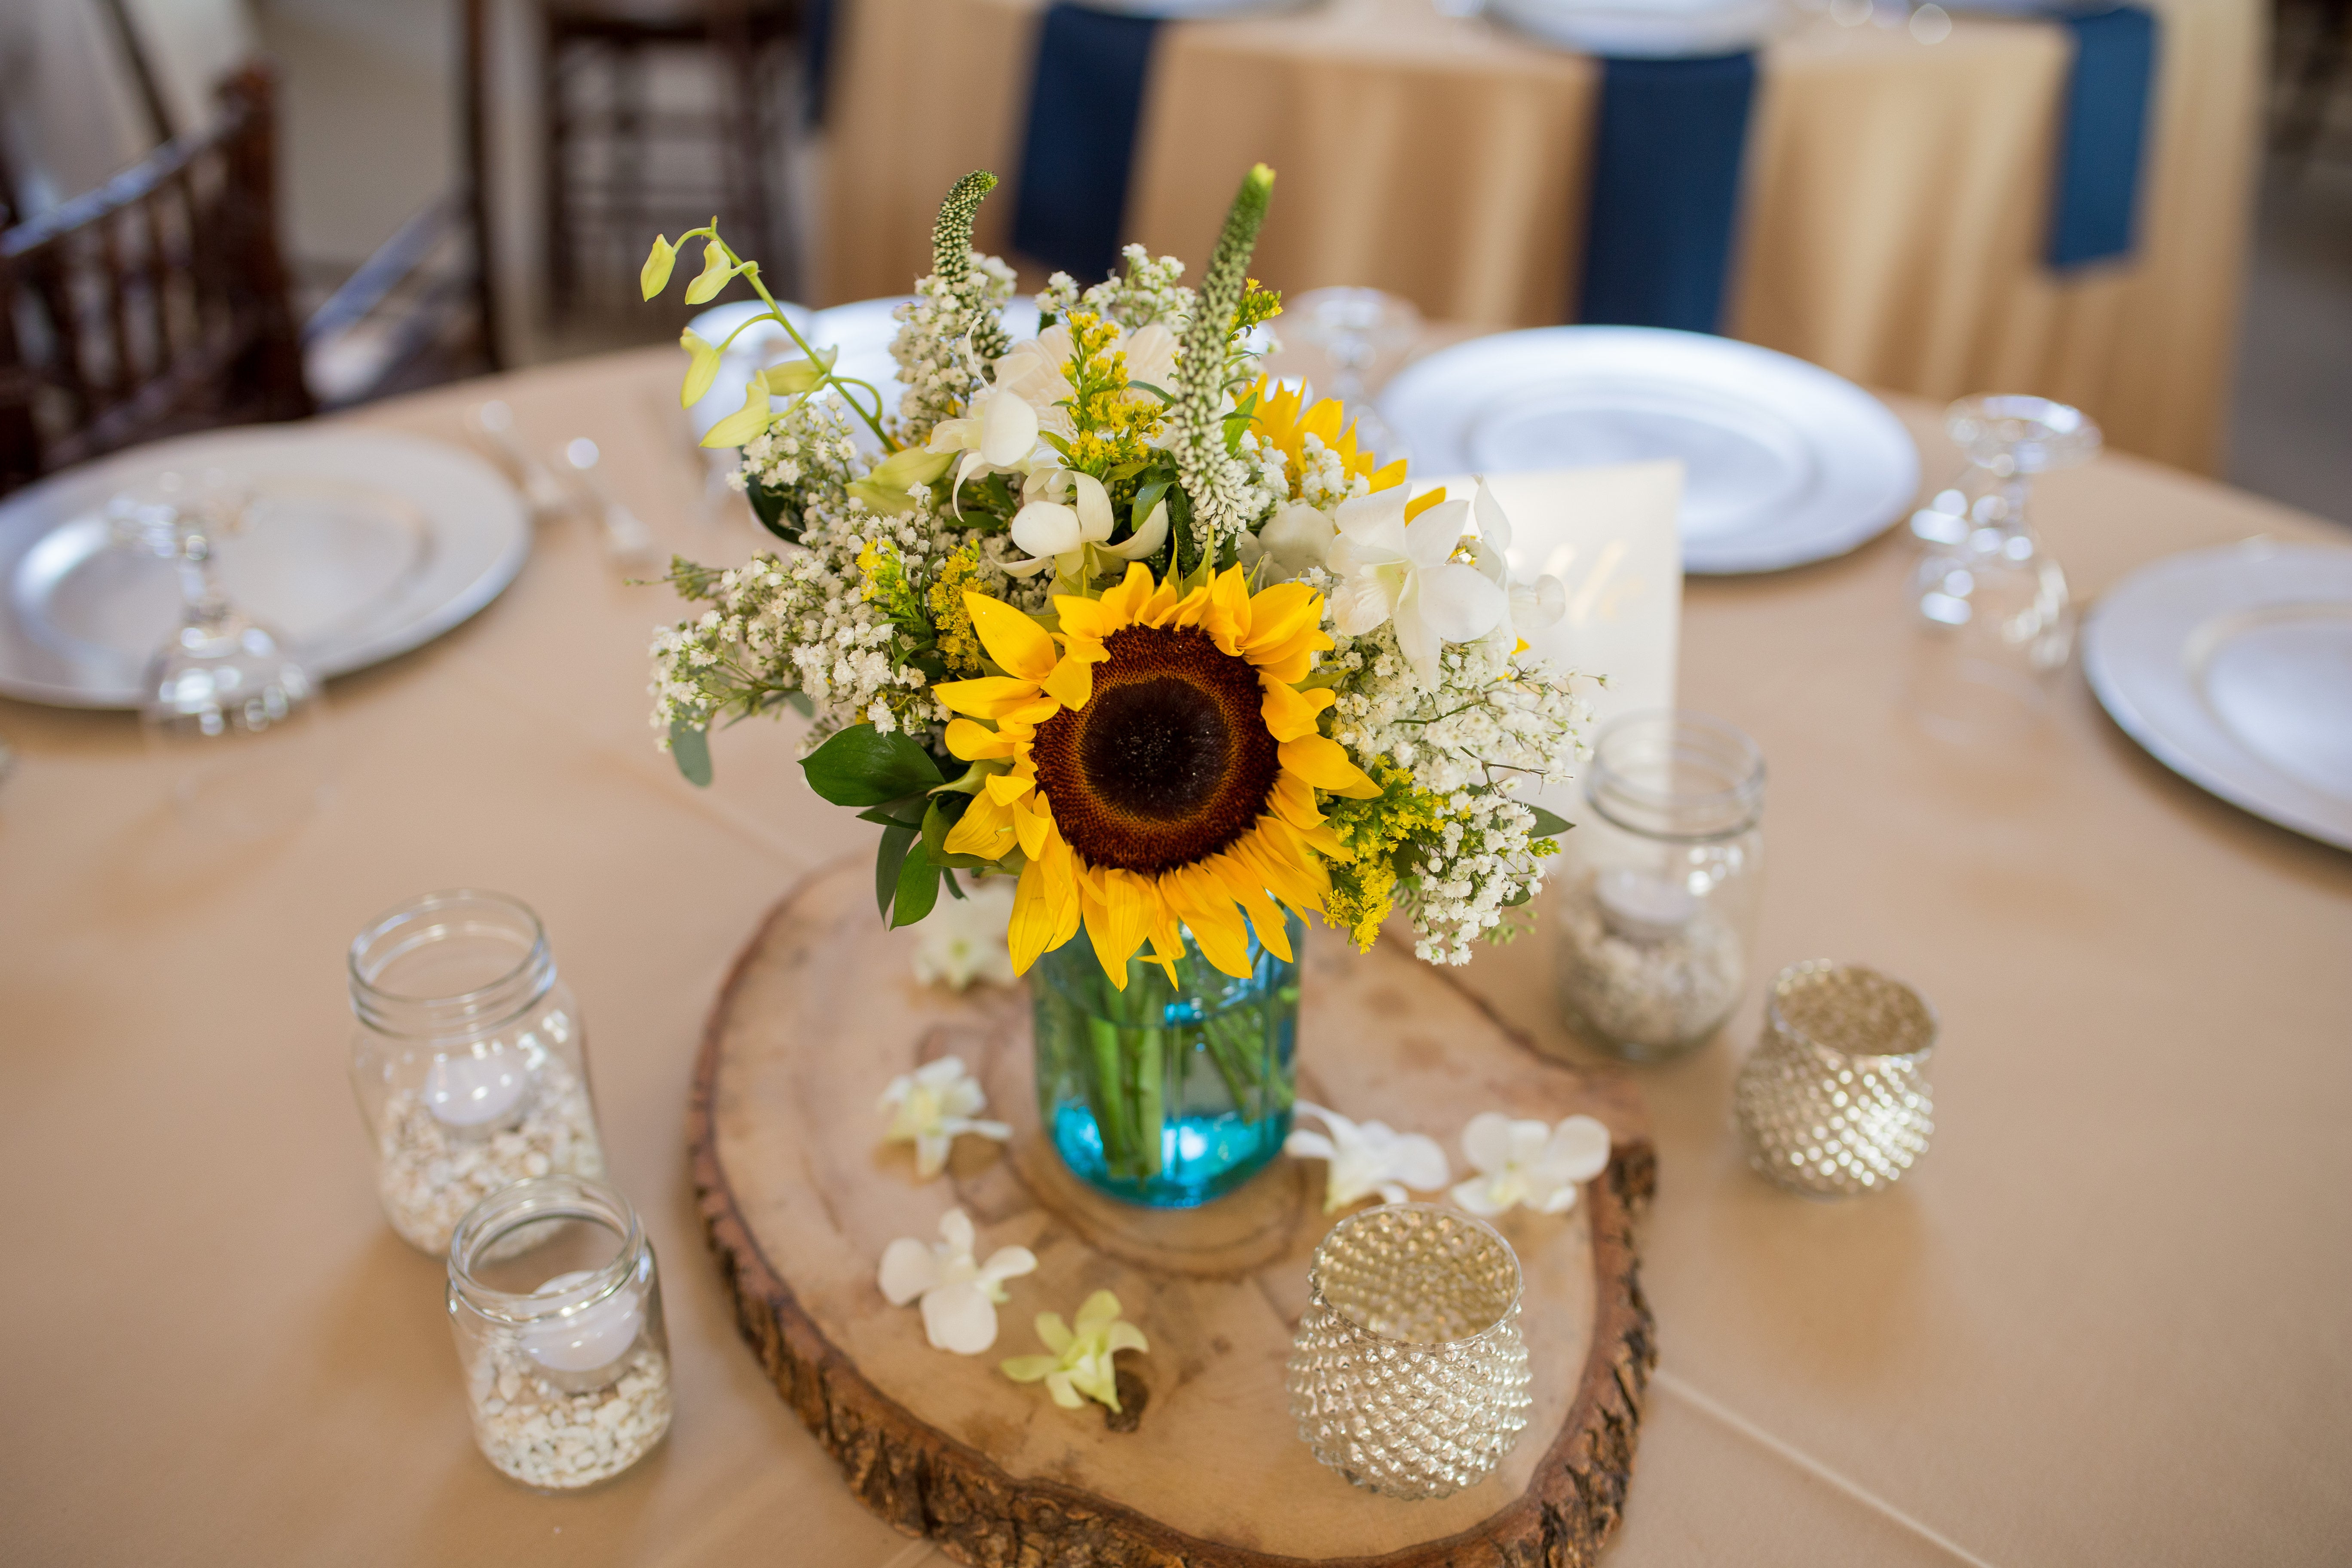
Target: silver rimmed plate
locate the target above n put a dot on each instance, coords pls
(360, 544)
(2233, 667)
(1784, 462)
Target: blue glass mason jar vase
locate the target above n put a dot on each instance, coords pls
(1165, 1094)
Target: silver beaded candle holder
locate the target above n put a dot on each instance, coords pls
(1409, 1374)
(1833, 1101)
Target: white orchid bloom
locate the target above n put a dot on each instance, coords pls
(1528, 1162)
(963, 940)
(934, 1105)
(1002, 435)
(1056, 532)
(1390, 569)
(1532, 603)
(1299, 537)
(960, 1296)
(1366, 1158)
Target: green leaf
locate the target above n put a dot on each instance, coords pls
(1548, 825)
(907, 812)
(890, 859)
(773, 511)
(862, 766)
(918, 888)
(690, 748)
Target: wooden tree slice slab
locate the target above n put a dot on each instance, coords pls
(799, 1198)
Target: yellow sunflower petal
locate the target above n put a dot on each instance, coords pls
(1118, 908)
(1388, 478)
(985, 829)
(1072, 681)
(1210, 914)
(1120, 604)
(1322, 421)
(1031, 826)
(1288, 712)
(1225, 614)
(1018, 645)
(1293, 800)
(1282, 612)
(1264, 917)
(1006, 788)
(1420, 504)
(1324, 763)
(976, 742)
(989, 697)
(1030, 933)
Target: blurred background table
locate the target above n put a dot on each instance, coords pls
(1892, 218)
(2102, 1323)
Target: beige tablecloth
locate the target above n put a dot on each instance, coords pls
(2105, 1323)
(1892, 208)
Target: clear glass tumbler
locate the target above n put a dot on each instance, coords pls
(555, 1303)
(470, 1061)
(1993, 601)
(1658, 884)
(1408, 1373)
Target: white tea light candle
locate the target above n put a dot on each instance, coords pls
(589, 1338)
(1641, 907)
(474, 1090)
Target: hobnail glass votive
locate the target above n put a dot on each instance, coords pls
(1833, 1101)
(1409, 1374)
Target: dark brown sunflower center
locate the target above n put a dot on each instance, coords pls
(1169, 760)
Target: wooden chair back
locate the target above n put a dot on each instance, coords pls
(154, 305)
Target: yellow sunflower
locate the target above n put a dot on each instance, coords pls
(1163, 765)
(1280, 419)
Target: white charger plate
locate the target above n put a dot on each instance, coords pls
(361, 545)
(2234, 668)
(1654, 31)
(1784, 462)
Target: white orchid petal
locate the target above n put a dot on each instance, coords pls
(1392, 1193)
(1556, 1200)
(1494, 527)
(1147, 539)
(1095, 520)
(945, 1070)
(956, 1231)
(1458, 604)
(951, 436)
(1550, 604)
(1007, 1263)
(1303, 1145)
(1027, 568)
(1008, 429)
(1375, 521)
(1360, 604)
(1416, 639)
(908, 1269)
(1528, 1141)
(931, 1153)
(1301, 536)
(1430, 539)
(1487, 1142)
(1045, 528)
(999, 1130)
(1420, 1163)
(1478, 1196)
(959, 1318)
(1577, 1150)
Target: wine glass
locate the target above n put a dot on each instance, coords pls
(238, 720)
(1365, 334)
(1988, 592)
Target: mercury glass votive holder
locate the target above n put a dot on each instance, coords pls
(1409, 1374)
(1833, 1102)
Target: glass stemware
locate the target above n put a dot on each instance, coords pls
(1994, 602)
(1365, 334)
(238, 718)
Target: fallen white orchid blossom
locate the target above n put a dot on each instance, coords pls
(960, 1296)
(1529, 1163)
(931, 1105)
(1366, 1158)
(1390, 569)
(963, 940)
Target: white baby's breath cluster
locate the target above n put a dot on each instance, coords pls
(806, 459)
(1150, 290)
(804, 624)
(942, 351)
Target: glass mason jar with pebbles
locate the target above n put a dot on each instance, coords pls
(470, 1062)
(556, 1305)
(1658, 884)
